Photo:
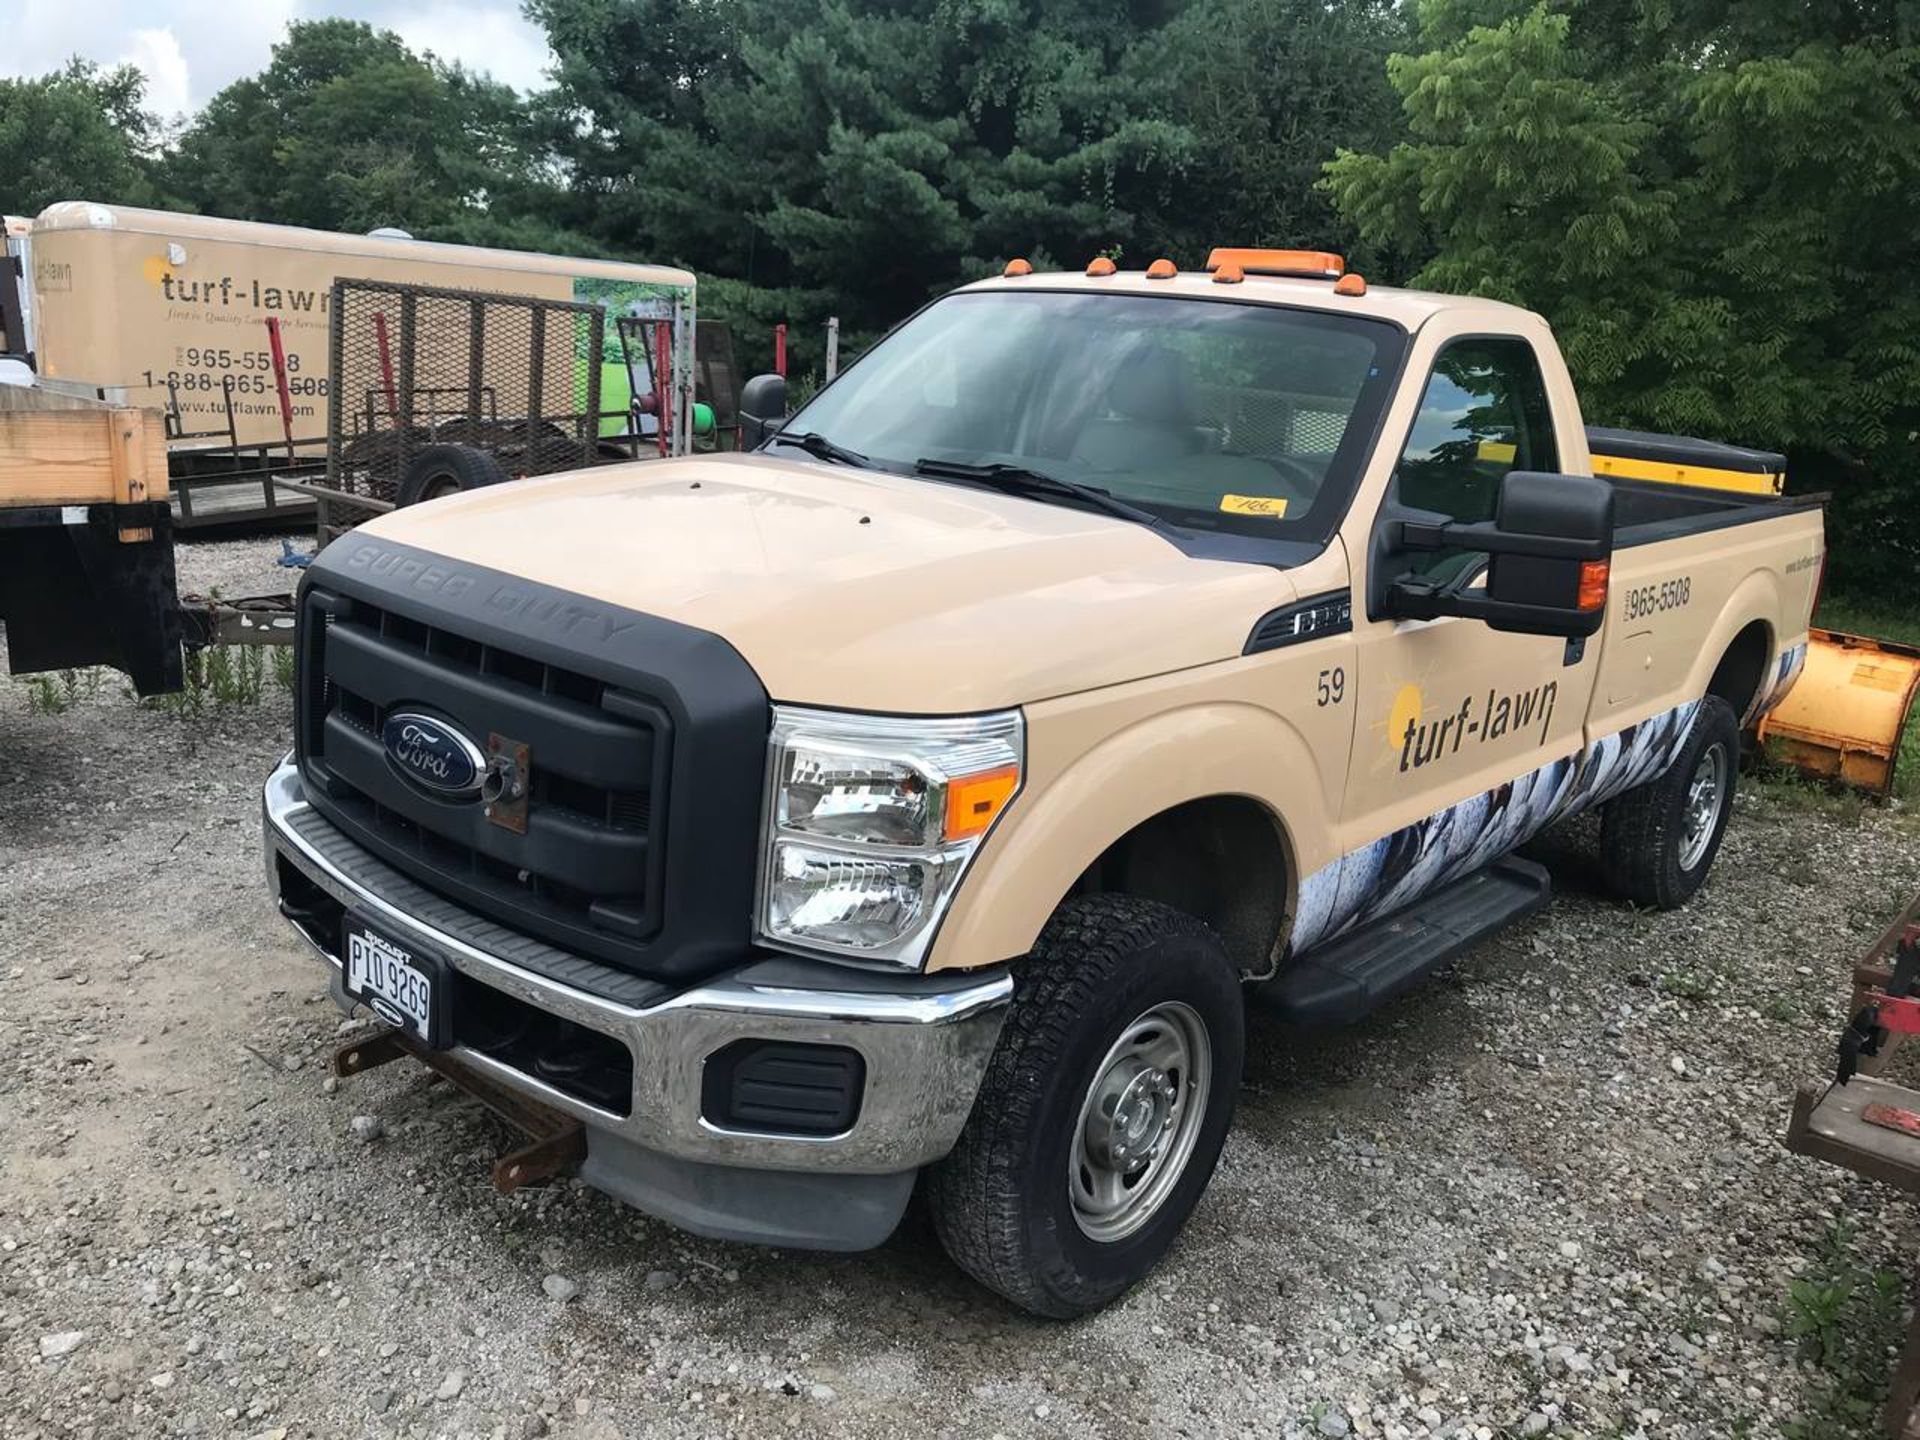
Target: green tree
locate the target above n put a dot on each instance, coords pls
(1712, 205)
(855, 157)
(347, 129)
(78, 134)
(1269, 90)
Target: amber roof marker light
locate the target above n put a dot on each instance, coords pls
(1227, 275)
(1162, 269)
(1351, 284)
(1314, 264)
(1016, 268)
(1100, 266)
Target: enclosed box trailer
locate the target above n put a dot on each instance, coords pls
(171, 310)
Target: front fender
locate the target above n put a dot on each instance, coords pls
(1076, 803)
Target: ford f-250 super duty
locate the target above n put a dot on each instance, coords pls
(923, 796)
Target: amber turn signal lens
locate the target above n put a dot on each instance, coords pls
(1162, 269)
(974, 800)
(1593, 584)
(1322, 263)
(1354, 284)
(1101, 265)
(1016, 268)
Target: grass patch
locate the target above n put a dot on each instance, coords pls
(1845, 1319)
(224, 677)
(1864, 616)
(1687, 985)
(59, 691)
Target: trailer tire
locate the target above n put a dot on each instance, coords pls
(446, 470)
(1658, 841)
(1127, 1026)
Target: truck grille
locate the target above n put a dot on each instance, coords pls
(586, 873)
(646, 750)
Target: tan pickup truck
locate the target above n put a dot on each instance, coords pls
(923, 796)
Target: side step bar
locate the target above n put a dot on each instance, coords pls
(1344, 979)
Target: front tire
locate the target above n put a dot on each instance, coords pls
(1103, 1111)
(1658, 841)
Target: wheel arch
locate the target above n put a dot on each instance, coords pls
(1744, 624)
(1163, 809)
(1740, 676)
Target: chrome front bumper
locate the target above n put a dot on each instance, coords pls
(925, 1040)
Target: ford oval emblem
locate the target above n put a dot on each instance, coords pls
(433, 755)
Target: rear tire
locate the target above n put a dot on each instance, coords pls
(1103, 1111)
(1658, 841)
(446, 470)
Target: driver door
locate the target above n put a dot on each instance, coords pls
(1464, 734)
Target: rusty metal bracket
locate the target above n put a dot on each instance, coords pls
(382, 1047)
(540, 1160)
(555, 1141)
(509, 779)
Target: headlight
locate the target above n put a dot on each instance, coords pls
(870, 823)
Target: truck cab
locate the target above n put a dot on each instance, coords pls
(923, 797)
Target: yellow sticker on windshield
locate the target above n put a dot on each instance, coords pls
(1500, 452)
(1274, 505)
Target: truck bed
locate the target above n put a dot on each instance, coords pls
(1647, 511)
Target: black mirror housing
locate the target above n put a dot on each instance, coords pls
(1549, 549)
(1575, 508)
(763, 409)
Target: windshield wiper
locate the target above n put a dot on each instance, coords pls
(821, 448)
(1018, 479)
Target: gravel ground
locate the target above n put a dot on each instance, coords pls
(1545, 1194)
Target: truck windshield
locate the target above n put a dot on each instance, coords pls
(1212, 415)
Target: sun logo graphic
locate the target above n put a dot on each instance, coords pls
(1404, 717)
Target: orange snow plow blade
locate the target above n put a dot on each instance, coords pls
(1844, 719)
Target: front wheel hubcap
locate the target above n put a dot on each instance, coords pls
(1139, 1120)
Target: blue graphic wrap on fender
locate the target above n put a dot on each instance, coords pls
(1397, 869)
(1786, 672)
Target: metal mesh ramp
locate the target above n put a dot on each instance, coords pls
(414, 365)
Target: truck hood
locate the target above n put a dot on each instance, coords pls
(860, 589)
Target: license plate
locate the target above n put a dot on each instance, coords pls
(394, 980)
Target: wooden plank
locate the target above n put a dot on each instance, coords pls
(92, 455)
(1827, 1125)
(140, 456)
(55, 458)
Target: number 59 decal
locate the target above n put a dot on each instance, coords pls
(1331, 687)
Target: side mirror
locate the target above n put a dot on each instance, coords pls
(763, 409)
(1549, 549)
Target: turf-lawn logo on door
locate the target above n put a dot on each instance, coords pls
(433, 755)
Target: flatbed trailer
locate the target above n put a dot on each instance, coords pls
(171, 310)
(86, 537)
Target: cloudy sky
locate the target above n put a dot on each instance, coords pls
(191, 48)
